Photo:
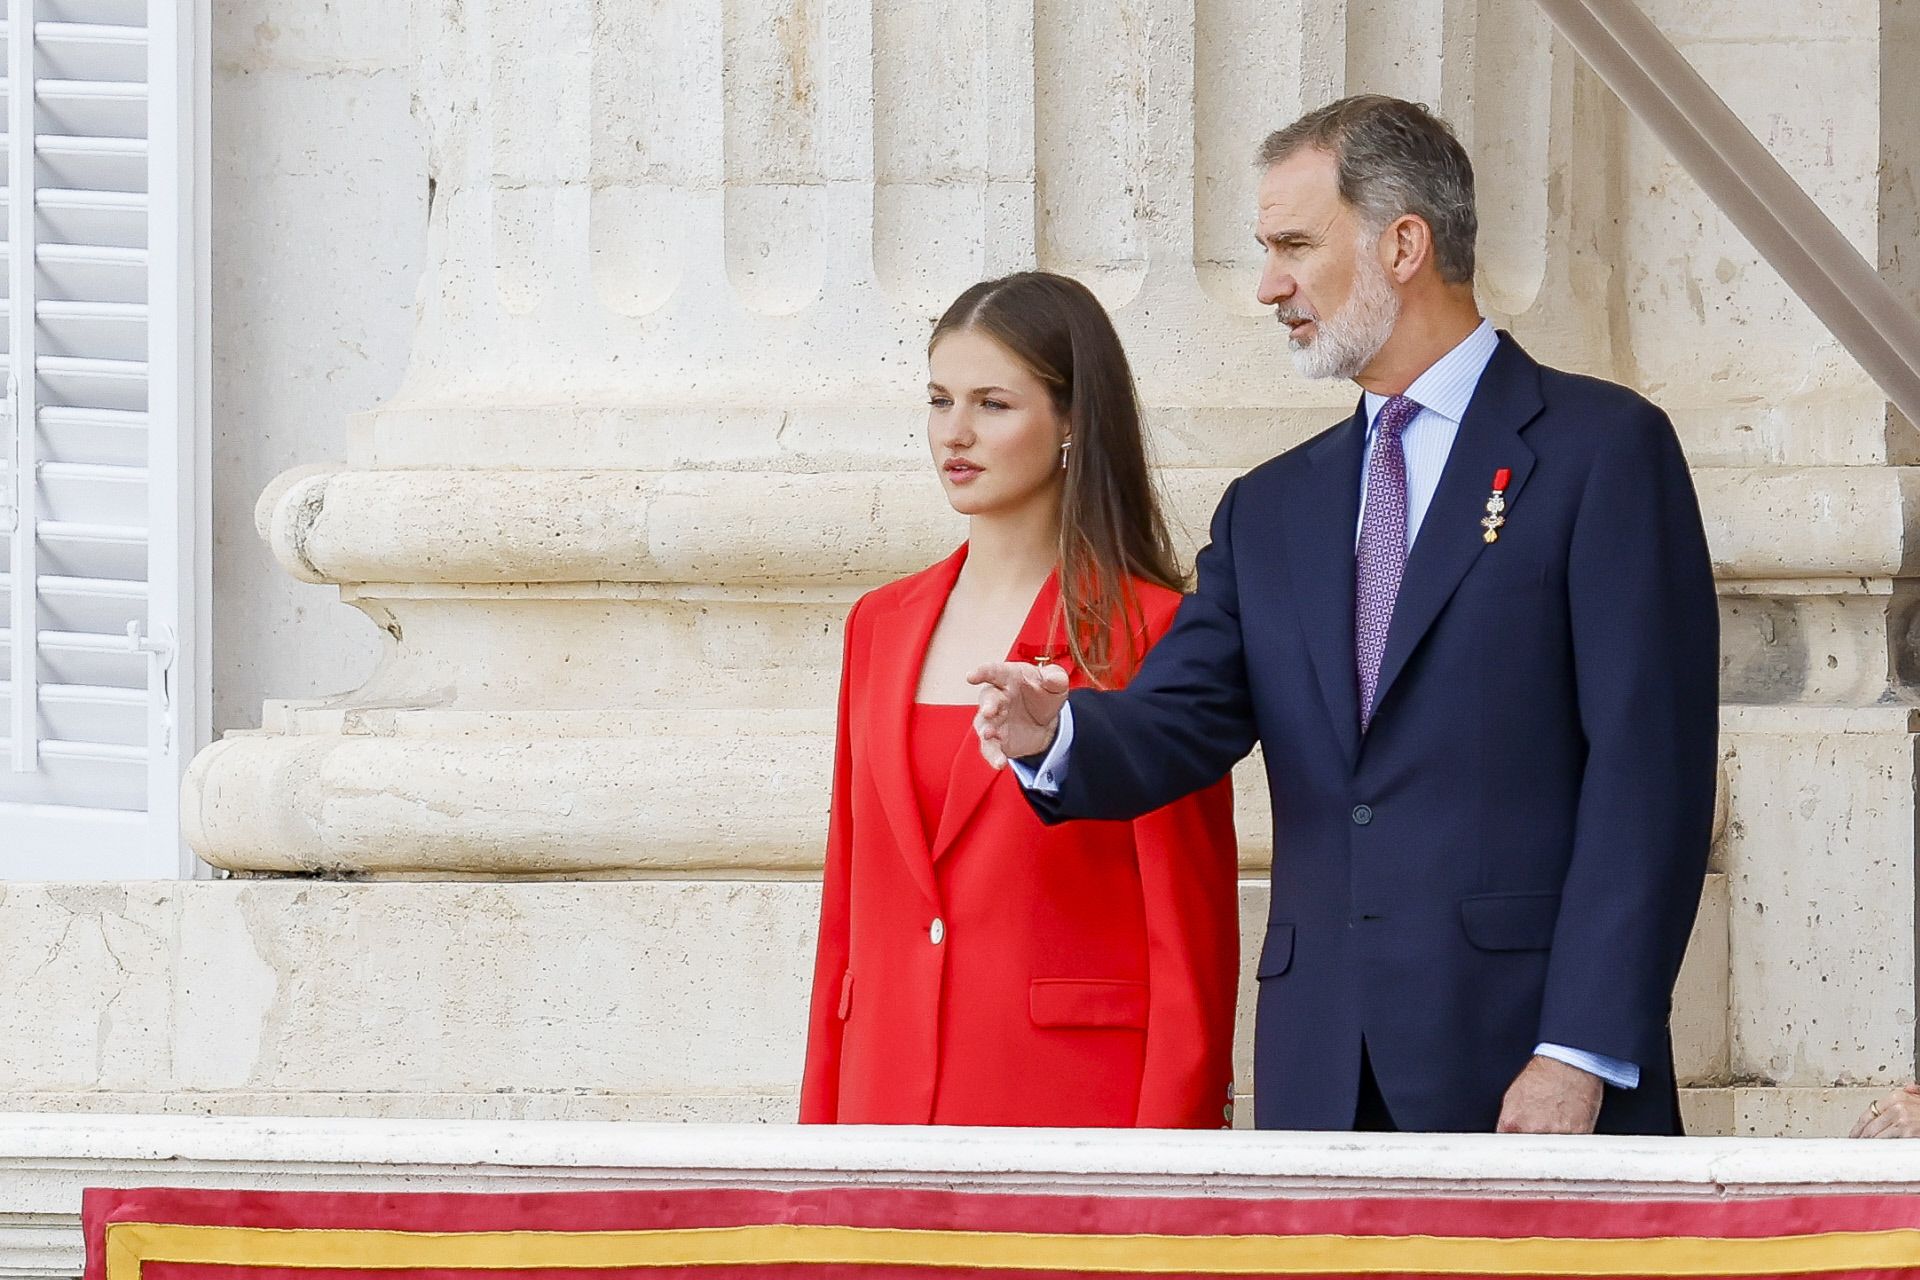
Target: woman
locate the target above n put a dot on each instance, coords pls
(975, 967)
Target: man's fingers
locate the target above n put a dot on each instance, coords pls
(990, 749)
(1053, 679)
(998, 674)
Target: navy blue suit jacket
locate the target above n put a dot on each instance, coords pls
(1513, 853)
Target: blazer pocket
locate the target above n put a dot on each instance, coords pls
(1087, 1002)
(846, 995)
(1276, 954)
(1510, 921)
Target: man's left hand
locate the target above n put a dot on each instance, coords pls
(1550, 1096)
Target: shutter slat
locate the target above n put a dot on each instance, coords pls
(114, 437)
(102, 714)
(100, 606)
(77, 657)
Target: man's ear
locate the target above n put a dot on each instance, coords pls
(1409, 245)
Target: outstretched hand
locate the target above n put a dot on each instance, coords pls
(1019, 709)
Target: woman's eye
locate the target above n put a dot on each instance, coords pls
(939, 402)
(993, 404)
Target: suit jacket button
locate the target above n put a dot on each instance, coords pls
(1362, 815)
(937, 931)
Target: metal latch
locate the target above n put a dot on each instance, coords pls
(160, 651)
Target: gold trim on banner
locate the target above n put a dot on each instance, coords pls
(129, 1244)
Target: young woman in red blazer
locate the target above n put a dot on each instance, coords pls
(974, 966)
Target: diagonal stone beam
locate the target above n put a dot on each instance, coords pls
(1740, 175)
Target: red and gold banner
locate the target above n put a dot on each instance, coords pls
(166, 1234)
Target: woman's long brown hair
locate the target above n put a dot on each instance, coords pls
(1111, 529)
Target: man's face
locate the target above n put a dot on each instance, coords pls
(1321, 275)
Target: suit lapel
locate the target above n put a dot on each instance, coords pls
(971, 779)
(1321, 514)
(896, 679)
(1450, 539)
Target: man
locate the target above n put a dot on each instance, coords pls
(1474, 629)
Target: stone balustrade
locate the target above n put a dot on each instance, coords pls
(45, 1162)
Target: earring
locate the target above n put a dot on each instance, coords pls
(1064, 446)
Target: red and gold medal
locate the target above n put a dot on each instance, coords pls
(1496, 507)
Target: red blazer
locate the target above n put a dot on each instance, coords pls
(1078, 975)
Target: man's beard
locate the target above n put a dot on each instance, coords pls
(1346, 342)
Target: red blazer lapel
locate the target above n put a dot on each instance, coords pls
(894, 657)
(968, 784)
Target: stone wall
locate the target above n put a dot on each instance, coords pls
(319, 225)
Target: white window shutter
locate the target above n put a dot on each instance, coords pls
(104, 493)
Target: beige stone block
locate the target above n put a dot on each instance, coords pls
(488, 807)
(1819, 857)
(743, 1107)
(672, 989)
(1806, 522)
(1830, 426)
(1800, 1113)
(1787, 643)
(1706, 1113)
(604, 652)
(86, 984)
(1700, 1030)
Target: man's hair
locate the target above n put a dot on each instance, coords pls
(1394, 158)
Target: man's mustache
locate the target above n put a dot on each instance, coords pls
(1288, 316)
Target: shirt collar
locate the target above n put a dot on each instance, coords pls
(1448, 383)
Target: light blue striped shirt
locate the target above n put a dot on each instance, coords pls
(1442, 393)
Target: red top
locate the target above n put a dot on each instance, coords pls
(935, 732)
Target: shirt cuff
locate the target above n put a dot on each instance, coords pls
(1047, 777)
(1616, 1072)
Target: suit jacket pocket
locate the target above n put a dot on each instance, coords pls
(1510, 921)
(1087, 1002)
(846, 996)
(1276, 954)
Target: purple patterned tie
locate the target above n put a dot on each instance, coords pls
(1382, 554)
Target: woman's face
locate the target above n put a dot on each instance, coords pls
(991, 426)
